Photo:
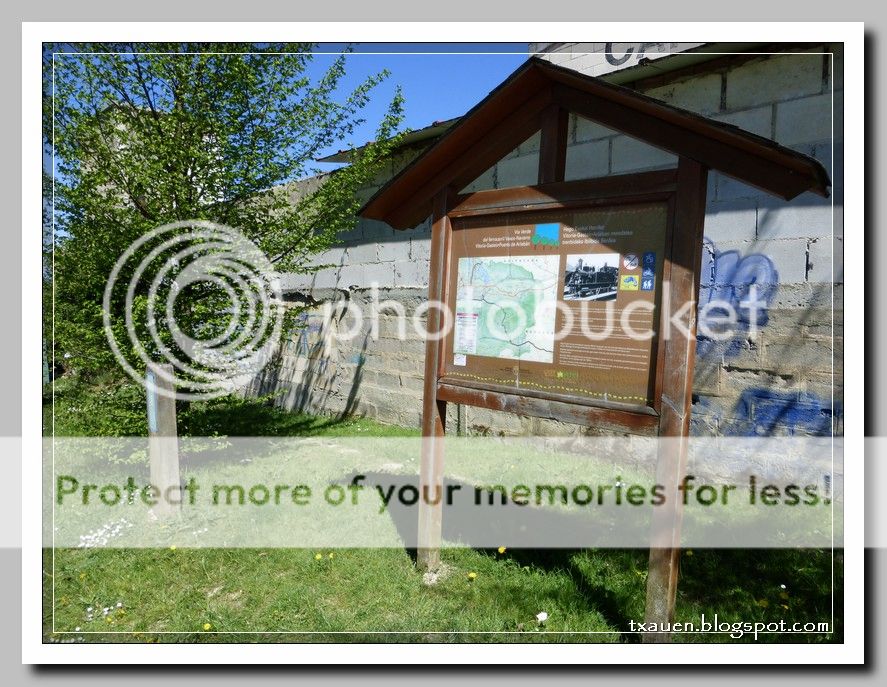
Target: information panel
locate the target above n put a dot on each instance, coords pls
(562, 302)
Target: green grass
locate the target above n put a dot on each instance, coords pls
(370, 595)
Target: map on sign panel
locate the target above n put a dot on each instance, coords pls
(506, 307)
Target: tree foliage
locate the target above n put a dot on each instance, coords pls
(142, 135)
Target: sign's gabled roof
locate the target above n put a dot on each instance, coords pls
(514, 110)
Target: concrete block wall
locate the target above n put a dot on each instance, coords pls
(780, 376)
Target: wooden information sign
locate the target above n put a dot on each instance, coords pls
(530, 275)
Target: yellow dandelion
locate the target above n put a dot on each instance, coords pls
(785, 606)
(82, 576)
(318, 556)
(501, 549)
(472, 575)
(207, 627)
(689, 552)
(331, 555)
(172, 548)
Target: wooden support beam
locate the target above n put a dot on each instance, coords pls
(616, 417)
(458, 173)
(681, 284)
(640, 187)
(553, 144)
(434, 410)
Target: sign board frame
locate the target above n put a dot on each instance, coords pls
(638, 418)
(539, 96)
(684, 191)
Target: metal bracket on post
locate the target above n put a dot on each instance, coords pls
(163, 441)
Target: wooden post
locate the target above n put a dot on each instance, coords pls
(434, 411)
(677, 390)
(553, 144)
(163, 442)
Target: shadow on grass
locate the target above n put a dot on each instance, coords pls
(739, 584)
(251, 418)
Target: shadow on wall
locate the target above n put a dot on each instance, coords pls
(315, 384)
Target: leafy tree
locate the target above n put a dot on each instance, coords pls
(146, 134)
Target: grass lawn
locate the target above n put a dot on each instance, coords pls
(217, 595)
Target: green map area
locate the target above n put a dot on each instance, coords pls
(506, 306)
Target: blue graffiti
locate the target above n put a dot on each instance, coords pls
(736, 280)
(766, 412)
(760, 412)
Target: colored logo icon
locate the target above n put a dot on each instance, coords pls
(546, 235)
(649, 264)
(628, 282)
(647, 284)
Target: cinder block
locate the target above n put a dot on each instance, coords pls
(484, 182)
(731, 221)
(824, 254)
(810, 297)
(380, 274)
(804, 121)
(420, 231)
(296, 282)
(588, 160)
(630, 154)
(362, 253)
(700, 94)
(808, 216)
(373, 230)
(788, 257)
(797, 354)
(728, 188)
(420, 248)
(412, 383)
(355, 233)
(332, 256)
(772, 79)
(397, 248)
(518, 171)
(410, 273)
(351, 276)
(561, 58)
(531, 145)
(587, 64)
(587, 130)
(326, 278)
(707, 375)
(758, 120)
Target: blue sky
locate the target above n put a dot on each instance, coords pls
(435, 86)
